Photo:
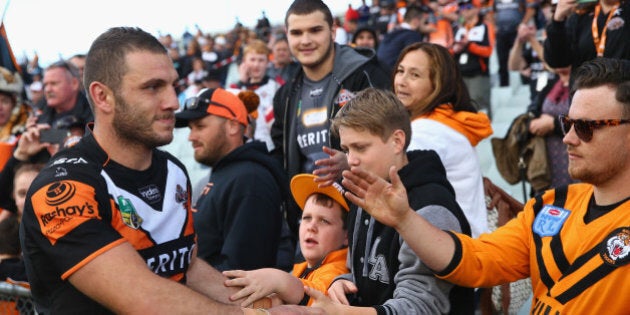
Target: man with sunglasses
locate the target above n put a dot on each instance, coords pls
(238, 216)
(573, 241)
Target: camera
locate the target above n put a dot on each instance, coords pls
(53, 135)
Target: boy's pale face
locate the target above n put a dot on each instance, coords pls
(20, 187)
(369, 151)
(256, 65)
(321, 231)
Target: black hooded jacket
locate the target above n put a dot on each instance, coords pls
(239, 214)
(389, 275)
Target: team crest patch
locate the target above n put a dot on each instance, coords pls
(615, 23)
(180, 194)
(616, 248)
(549, 220)
(343, 97)
(129, 215)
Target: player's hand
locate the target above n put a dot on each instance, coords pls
(338, 290)
(329, 169)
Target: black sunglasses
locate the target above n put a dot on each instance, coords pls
(584, 128)
(192, 103)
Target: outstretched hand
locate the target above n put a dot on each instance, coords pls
(329, 169)
(338, 290)
(255, 284)
(323, 302)
(386, 202)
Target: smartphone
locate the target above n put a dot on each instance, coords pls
(53, 135)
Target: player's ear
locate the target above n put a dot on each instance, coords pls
(102, 97)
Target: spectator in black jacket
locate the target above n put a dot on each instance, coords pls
(412, 30)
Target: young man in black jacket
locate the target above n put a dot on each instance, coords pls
(330, 75)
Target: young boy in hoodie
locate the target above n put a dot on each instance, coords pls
(323, 243)
(386, 277)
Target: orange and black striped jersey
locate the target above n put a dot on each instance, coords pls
(83, 204)
(577, 266)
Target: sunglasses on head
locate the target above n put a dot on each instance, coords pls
(192, 103)
(74, 71)
(584, 128)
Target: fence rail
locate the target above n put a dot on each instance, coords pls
(15, 300)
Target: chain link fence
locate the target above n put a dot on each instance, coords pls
(15, 300)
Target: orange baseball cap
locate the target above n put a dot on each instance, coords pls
(304, 185)
(218, 102)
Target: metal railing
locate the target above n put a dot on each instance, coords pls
(15, 299)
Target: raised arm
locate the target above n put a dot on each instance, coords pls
(388, 203)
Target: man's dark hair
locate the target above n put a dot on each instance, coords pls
(606, 71)
(305, 7)
(105, 60)
(414, 12)
(9, 236)
(280, 39)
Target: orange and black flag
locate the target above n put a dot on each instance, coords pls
(7, 59)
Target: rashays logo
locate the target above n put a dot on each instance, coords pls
(59, 193)
(62, 206)
(59, 212)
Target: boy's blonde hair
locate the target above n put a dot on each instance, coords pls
(258, 47)
(376, 111)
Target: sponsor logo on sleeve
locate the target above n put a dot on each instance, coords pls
(62, 206)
